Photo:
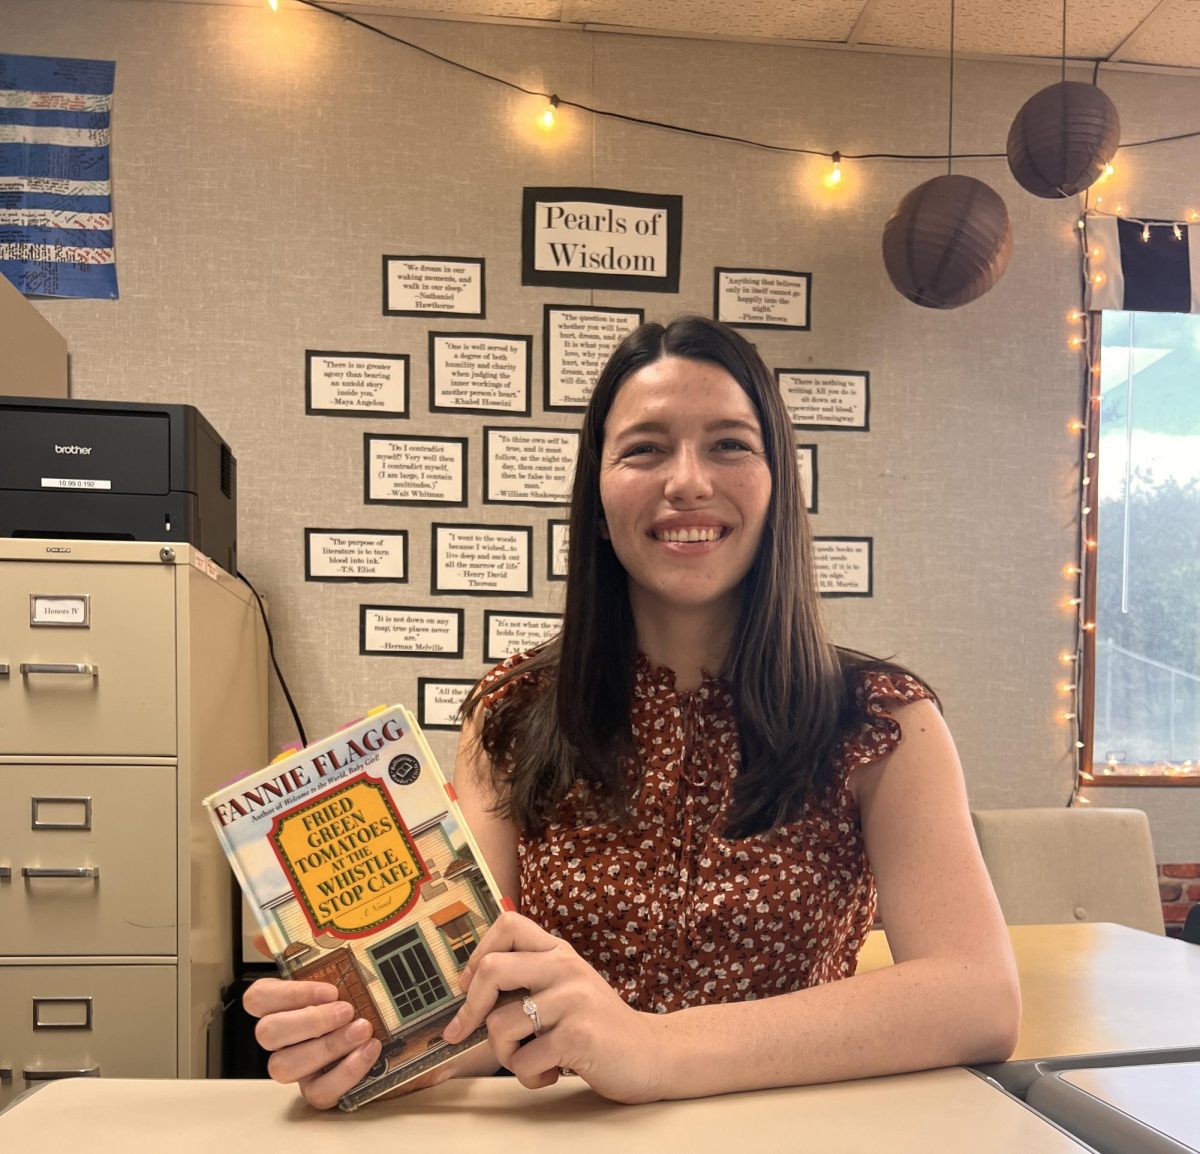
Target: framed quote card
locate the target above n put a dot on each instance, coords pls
(844, 566)
(524, 466)
(433, 286)
(480, 373)
(762, 298)
(507, 633)
(827, 398)
(438, 700)
(356, 555)
(409, 631)
(482, 560)
(578, 340)
(355, 384)
(414, 470)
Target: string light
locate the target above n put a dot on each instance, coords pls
(1067, 658)
(1177, 232)
(1107, 174)
(1145, 234)
(833, 178)
(273, 5)
(546, 120)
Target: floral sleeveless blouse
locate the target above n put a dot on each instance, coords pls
(671, 913)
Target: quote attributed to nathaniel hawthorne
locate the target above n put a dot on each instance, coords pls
(421, 286)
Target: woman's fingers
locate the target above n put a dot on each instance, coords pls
(271, 995)
(323, 1087)
(301, 1060)
(509, 932)
(497, 974)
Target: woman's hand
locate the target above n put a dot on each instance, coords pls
(315, 1039)
(585, 1026)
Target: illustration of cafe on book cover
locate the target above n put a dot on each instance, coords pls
(360, 872)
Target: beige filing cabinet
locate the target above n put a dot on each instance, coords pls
(132, 684)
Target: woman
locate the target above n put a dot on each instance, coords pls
(694, 796)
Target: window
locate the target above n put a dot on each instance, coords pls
(1146, 683)
(410, 974)
(460, 937)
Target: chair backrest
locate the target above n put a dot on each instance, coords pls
(1071, 865)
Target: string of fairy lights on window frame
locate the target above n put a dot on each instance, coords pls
(1079, 158)
(1096, 264)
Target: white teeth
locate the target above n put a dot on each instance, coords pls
(687, 535)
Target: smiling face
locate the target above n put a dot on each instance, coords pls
(685, 487)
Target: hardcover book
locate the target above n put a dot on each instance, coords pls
(361, 872)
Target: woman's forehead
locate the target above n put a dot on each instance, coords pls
(679, 388)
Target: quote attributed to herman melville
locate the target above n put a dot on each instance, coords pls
(601, 238)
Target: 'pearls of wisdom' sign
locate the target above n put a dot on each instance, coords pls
(601, 238)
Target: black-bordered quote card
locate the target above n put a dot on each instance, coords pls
(806, 465)
(827, 398)
(482, 560)
(356, 555)
(558, 538)
(480, 373)
(355, 384)
(410, 631)
(762, 298)
(845, 566)
(507, 633)
(524, 466)
(438, 700)
(414, 470)
(433, 286)
(601, 238)
(577, 341)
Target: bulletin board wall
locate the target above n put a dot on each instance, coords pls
(264, 166)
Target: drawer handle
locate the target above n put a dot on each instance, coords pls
(4, 669)
(5, 873)
(50, 1075)
(5, 1074)
(50, 872)
(28, 667)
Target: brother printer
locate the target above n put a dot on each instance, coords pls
(116, 471)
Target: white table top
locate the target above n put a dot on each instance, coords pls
(938, 1110)
(1095, 988)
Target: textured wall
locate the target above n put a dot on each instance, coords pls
(262, 164)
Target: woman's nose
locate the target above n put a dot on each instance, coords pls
(688, 476)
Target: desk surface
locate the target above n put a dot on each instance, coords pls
(909, 1114)
(1140, 1109)
(1095, 988)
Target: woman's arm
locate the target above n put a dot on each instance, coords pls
(952, 997)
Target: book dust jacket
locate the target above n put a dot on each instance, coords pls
(361, 872)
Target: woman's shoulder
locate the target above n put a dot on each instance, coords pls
(524, 670)
(876, 690)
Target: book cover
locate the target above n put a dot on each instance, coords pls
(360, 870)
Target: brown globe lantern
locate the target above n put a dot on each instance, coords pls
(947, 242)
(1062, 138)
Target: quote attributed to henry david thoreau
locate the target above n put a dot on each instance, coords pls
(601, 238)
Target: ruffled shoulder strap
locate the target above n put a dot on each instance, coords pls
(879, 733)
(492, 697)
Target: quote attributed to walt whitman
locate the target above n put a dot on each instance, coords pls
(601, 238)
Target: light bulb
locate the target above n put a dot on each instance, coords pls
(546, 120)
(273, 5)
(834, 176)
(1106, 174)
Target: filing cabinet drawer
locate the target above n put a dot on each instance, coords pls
(112, 1021)
(90, 651)
(87, 858)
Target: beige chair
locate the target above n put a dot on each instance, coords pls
(1071, 865)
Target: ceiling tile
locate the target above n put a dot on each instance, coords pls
(830, 20)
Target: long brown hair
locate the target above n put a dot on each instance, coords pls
(566, 716)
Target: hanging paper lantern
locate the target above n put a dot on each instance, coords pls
(1062, 138)
(948, 242)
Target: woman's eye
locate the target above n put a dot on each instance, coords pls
(639, 450)
(731, 445)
